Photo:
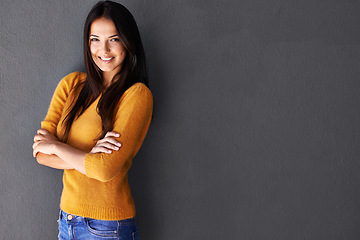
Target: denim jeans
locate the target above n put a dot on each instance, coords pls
(72, 227)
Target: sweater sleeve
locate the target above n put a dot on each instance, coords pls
(132, 121)
(57, 103)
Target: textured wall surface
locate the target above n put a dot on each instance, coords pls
(256, 130)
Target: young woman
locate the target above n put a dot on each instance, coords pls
(95, 125)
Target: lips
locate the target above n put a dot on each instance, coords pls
(106, 59)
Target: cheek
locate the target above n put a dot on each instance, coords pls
(123, 55)
(120, 50)
(93, 55)
(93, 50)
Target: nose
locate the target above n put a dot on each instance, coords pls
(105, 47)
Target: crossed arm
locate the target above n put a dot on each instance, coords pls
(49, 151)
(132, 120)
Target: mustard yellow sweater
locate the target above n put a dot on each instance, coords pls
(103, 193)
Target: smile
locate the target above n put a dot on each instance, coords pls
(106, 60)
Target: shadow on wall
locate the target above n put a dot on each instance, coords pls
(146, 167)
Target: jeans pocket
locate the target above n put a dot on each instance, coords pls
(128, 229)
(102, 228)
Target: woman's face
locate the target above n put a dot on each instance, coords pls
(106, 49)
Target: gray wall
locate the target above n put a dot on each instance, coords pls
(256, 130)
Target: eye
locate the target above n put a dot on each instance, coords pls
(94, 40)
(115, 40)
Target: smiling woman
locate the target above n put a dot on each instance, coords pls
(95, 125)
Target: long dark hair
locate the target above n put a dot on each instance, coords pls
(133, 67)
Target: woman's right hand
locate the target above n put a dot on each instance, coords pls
(107, 144)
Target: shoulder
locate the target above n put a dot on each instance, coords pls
(138, 96)
(138, 91)
(138, 87)
(71, 80)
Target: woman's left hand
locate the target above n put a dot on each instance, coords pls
(44, 142)
(107, 144)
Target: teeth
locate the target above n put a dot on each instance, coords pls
(106, 59)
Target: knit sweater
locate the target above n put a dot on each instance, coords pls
(103, 193)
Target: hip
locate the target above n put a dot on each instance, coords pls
(78, 228)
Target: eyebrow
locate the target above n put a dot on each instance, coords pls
(93, 35)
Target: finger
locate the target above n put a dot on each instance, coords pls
(42, 131)
(35, 152)
(39, 131)
(38, 138)
(108, 146)
(35, 144)
(112, 134)
(110, 140)
(100, 149)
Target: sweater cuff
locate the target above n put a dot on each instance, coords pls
(90, 167)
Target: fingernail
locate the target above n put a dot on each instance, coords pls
(109, 151)
(119, 144)
(116, 148)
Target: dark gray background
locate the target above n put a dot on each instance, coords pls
(256, 128)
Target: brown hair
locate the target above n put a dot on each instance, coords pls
(133, 68)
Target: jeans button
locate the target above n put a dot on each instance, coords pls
(69, 217)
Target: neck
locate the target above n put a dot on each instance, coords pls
(107, 78)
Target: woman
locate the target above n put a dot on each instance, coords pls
(95, 125)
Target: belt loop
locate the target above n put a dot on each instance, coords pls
(118, 228)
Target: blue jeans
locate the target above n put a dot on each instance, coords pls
(72, 227)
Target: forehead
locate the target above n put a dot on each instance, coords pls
(103, 27)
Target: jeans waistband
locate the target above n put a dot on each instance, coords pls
(70, 217)
(75, 218)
